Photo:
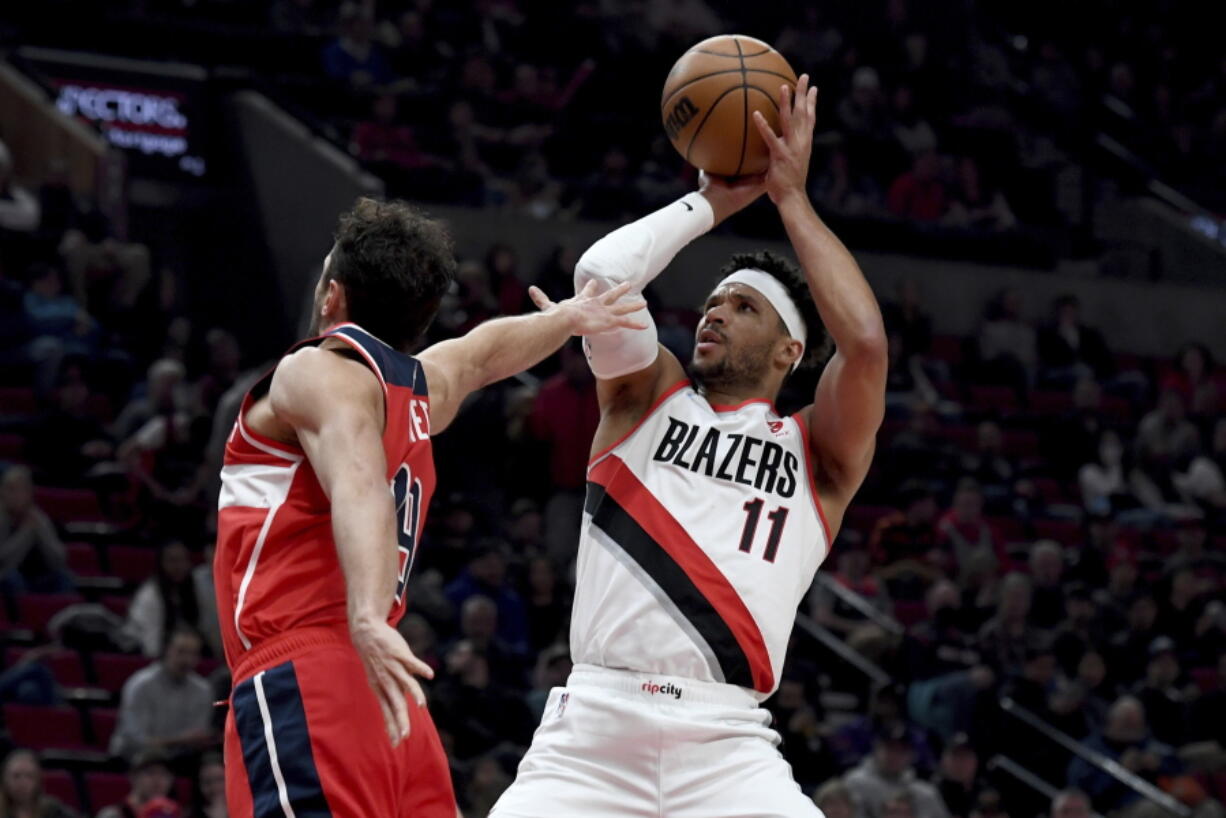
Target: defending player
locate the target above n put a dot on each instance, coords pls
(707, 513)
(325, 485)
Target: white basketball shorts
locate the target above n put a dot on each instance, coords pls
(617, 743)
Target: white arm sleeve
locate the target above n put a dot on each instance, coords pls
(637, 253)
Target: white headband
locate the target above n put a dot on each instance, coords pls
(778, 296)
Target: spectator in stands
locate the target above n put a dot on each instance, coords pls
(1007, 348)
(1047, 573)
(564, 418)
(479, 628)
(502, 270)
(965, 533)
(864, 116)
(165, 601)
(165, 457)
(1080, 629)
(906, 315)
(1209, 711)
(1194, 379)
(222, 367)
(836, 801)
(299, 17)
(888, 773)
(107, 277)
(989, 466)
(386, 140)
(975, 204)
(1165, 438)
(58, 326)
(887, 709)
(210, 800)
(31, 554)
(1125, 739)
(958, 778)
(553, 667)
(1203, 482)
(486, 576)
(919, 194)
(546, 607)
(19, 209)
(1165, 694)
(21, 789)
(152, 782)
(354, 58)
(904, 544)
(1005, 637)
(477, 713)
(798, 718)
(68, 441)
(163, 396)
(486, 782)
(1103, 481)
(421, 637)
(1069, 349)
(852, 572)
(609, 194)
(1032, 686)
(844, 187)
(1070, 804)
(166, 707)
(1130, 646)
(912, 131)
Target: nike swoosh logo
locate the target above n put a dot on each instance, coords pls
(688, 206)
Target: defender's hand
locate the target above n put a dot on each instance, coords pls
(390, 668)
(589, 313)
(790, 151)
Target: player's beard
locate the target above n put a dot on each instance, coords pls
(739, 367)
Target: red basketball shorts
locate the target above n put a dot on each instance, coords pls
(305, 739)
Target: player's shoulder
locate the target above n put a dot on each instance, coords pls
(324, 367)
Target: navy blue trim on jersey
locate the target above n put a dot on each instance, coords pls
(396, 368)
(623, 530)
(295, 761)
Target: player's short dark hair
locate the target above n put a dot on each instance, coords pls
(395, 263)
(817, 346)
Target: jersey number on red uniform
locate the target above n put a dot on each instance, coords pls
(407, 493)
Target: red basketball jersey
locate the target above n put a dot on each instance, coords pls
(276, 568)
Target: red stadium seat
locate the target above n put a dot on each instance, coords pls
(1020, 442)
(40, 728)
(947, 348)
(117, 604)
(105, 789)
(1066, 532)
(993, 397)
(102, 723)
(36, 610)
(60, 784)
(83, 559)
(111, 670)
(1043, 402)
(909, 613)
(69, 505)
(18, 401)
(12, 448)
(65, 665)
(1205, 678)
(131, 563)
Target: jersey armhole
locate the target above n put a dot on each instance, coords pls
(811, 477)
(651, 410)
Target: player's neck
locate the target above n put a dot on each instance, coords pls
(728, 395)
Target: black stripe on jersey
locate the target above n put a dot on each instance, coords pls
(617, 524)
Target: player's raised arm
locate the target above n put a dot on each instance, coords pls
(335, 406)
(503, 347)
(850, 400)
(630, 366)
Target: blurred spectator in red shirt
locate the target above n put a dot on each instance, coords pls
(384, 139)
(919, 194)
(564, 418)
(963, 530)
(1193, 378)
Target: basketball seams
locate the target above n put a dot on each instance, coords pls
(710, 110)
(764, 93)
(730, 56)
(744, 108)
(688, 83)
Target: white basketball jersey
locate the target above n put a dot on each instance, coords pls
(701, 534)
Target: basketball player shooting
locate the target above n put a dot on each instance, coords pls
(707, 513)
(325, 484)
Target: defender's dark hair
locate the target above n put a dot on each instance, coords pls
(395, 264)
(817, 346)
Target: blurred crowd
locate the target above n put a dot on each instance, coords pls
(1043, 525)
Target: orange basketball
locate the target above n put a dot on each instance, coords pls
(709, 99)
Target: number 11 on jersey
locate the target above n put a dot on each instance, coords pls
(778, 518)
